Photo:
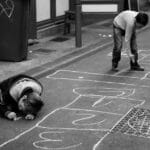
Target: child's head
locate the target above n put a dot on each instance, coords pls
(142, 18)
(30, 103)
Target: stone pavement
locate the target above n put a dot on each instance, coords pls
(49, 54)
(47, 51)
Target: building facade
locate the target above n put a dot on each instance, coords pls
(47, 16)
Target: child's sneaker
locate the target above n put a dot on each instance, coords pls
(137, 68)
(114, 67)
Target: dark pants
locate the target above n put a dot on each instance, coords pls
(118, 35)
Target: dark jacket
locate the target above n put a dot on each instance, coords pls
(7, 101)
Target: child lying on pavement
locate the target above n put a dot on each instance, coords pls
(20, 96)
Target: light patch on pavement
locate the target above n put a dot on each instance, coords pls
(105, 35)
(80, 77)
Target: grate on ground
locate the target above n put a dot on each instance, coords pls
(60, 39)
(136, 123)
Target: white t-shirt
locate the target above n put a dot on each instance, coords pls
(17, 89)
(126, 21)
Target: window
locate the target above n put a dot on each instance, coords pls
(43, 10)
(47, 10)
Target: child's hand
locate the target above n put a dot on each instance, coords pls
(132, 58)
(11, 115)
(29, 117)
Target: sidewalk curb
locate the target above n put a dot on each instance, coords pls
(71, 57)
(61, 62)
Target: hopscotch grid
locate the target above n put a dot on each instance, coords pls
(89, 116)
(37, 124)
(96, 111)
(44, 139)
(17, 137)
(90, 73)
(102, 97)
(130, 99)
(64, 148)
(27, 131)
(51, 140)
(132, 91)
(97, 81)
(108, 132)
(74, 129)
(122, 93)
(98, 101)
(145, 77)
(110, 102)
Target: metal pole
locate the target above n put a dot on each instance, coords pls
(78, 25)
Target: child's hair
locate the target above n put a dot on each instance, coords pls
(142, 18)
(34, 103)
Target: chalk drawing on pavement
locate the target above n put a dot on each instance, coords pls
(109, 78)
(136, 123)
(7, 7)
(94, 109)
(54, 137)
(87, 116)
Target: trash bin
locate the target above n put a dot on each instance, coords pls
(13, 29)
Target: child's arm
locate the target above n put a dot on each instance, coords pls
(128, 52)
(5, 111)
(130, 30)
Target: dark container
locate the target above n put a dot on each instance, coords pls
(13, 30)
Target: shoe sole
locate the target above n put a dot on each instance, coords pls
(137, 69)
(115, 70)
